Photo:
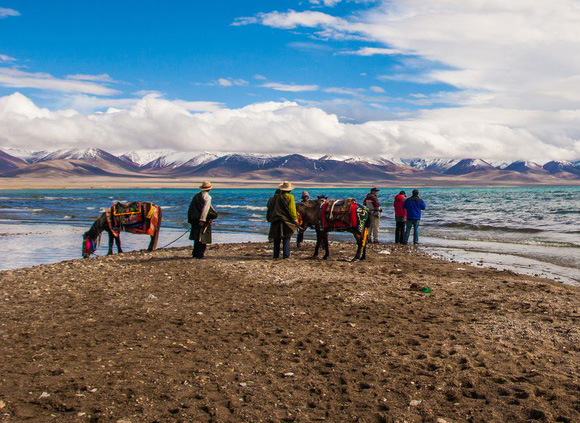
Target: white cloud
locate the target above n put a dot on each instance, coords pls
(290, 87)
(5, 12)
(5, 58)
(104, 77)
(19, 79)
(225, 82)
(377, 89)
(260, 77)
(373, 51)
(291, 19)
(328, 3)
(289, 128)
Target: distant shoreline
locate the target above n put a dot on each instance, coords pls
(159, 183)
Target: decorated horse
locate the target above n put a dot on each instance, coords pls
(136, 218)
(334, 215)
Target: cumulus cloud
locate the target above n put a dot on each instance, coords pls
(290, 87)
(19, 79)
(288, 127)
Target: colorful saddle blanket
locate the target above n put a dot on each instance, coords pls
(343, 215)
(135, 217)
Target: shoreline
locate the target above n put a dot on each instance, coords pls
(220, 182)
(519, 264)
(241, 337)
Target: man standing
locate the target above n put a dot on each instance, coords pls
(200, 216)
(372, 203)
(400, 217)
(413, 206)
(283, 218)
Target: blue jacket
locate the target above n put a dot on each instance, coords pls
(414, 205)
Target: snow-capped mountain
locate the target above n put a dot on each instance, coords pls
(526, 167)
(558, 166)
(433, 165)
(468, 166)
(328, 168)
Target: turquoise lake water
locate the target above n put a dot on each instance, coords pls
(533, 230)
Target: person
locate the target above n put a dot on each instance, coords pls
(371, 202)
(413, 206)
(400, 217)
(200, 216)
(305, 196)
(283, 218)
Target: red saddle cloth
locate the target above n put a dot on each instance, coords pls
(135, 217)
(339, 214)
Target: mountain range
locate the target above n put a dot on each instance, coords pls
(170, 164)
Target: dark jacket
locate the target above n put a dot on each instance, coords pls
(414, 205)
(282, 215)
(200, 233)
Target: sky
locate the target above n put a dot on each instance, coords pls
(396, 78)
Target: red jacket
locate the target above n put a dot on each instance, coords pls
(398, 204)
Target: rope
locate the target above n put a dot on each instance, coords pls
(176, 239)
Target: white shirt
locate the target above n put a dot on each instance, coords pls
(207, 204)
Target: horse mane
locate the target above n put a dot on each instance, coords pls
(97, 228)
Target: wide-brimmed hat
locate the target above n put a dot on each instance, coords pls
(375, 189)
(286, 186)
(205, 186)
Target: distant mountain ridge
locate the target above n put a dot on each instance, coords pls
(328, 168)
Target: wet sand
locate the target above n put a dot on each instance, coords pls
(159, 337)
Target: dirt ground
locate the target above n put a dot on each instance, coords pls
(160, 337)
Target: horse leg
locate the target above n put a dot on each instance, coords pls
(155, 236)
(325, 244)
(299, 238)
(111, 240)
(318, 242)
(359, 247)
(118, 242)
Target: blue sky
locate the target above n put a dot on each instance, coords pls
(399, 78)
(196, 51)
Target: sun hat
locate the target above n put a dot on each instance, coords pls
(205, 186)
(286, 186)
(375, 189)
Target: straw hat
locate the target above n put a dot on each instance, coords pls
(205, 186)
(286, 186)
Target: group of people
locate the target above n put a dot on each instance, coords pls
(283, 218)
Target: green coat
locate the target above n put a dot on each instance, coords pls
(282, 215)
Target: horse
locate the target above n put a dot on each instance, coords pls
(145, 217)
(311, 214)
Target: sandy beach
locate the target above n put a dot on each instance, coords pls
(159, 337)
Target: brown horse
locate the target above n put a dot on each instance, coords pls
(151, 223)
(310, 212)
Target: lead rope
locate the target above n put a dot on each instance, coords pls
(176, 239)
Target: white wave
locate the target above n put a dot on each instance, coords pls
(229, 206)
(20, 209)
(91, 208)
